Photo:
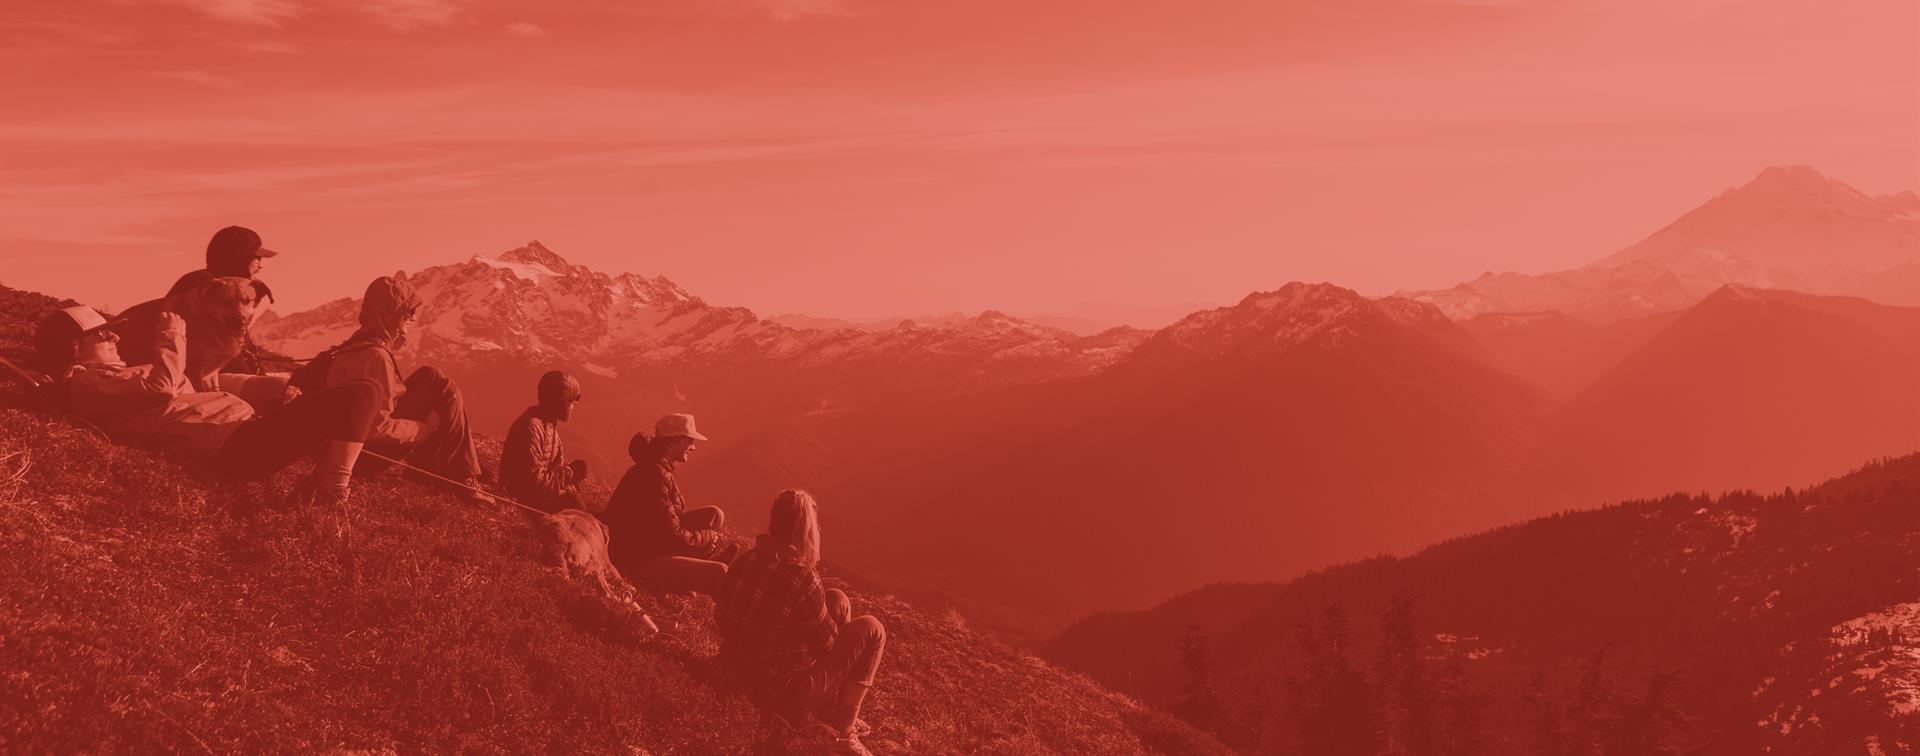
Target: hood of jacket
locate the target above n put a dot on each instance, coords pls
(389, 302)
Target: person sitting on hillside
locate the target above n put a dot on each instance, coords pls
(793, 642)
(533, 466)
(233, 252)
(421, 418)
(154, 403)
(652, 535)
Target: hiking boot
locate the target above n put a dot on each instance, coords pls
(472, 494)
(859, 728)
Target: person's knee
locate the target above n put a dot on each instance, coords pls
(839, 607)
(719, 518)
(868, 626)
(427, 374)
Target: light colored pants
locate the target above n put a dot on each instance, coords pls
(264, 392)
(854, 657)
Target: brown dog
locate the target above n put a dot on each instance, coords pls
(218, 316)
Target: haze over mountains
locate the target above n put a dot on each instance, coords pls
(1024, 466)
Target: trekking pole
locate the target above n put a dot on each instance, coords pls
(449, 481)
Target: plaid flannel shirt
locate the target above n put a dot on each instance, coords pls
(772, 614)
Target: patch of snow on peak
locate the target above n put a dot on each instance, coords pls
(531, 272)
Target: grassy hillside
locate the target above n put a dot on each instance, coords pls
(147, 607)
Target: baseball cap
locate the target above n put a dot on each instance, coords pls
(235, 242)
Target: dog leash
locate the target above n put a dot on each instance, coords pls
(450, 481)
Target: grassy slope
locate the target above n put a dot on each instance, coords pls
(147, 607)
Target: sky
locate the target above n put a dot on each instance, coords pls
(876, 158)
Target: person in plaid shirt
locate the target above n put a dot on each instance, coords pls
(793, 641)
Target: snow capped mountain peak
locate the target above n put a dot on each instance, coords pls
(530, 302)
(535, 253)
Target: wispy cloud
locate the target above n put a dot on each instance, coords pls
(196, 76)
(787, 10)
(525, 29)
(271, 47)
(404, 15)
(398, 15)
(271, 13)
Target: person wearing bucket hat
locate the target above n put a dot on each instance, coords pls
(155, 403)
(533, 466)
(652, 535)
(422, 417)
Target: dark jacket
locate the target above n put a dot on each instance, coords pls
(533, 467)
(643, 518)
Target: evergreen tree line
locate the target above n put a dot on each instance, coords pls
(1407, 701)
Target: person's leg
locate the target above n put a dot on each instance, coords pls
(839, 607)
(683, 574)
(703, 518)
(851, 666)
(265, 393)
(449, 451)
(260, 446)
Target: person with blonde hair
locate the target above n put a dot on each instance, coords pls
(793, 641)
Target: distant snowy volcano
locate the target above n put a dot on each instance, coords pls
(1789, 228)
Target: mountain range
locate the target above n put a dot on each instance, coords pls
(1051, 474)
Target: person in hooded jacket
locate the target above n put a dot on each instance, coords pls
(155, 403)
(422, 417)
(533, 462)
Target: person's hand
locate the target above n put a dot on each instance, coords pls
(170, 321)
(579, 468)
(291, 393)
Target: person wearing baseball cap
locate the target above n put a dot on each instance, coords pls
(234, 251)
(154, 403)
(652, 535)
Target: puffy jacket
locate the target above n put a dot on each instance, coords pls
(533, 464)
(643, 516)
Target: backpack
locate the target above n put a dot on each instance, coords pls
(312, 376)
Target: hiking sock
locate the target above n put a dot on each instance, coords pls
(335, 470)
(847, 709)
